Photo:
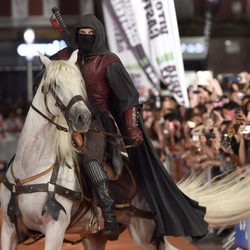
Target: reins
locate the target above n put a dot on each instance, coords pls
(64, 109)
(107, 133)
(59, 127)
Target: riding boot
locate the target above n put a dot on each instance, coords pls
(111, 229)
(99, 182)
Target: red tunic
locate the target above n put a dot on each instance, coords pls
(93, 72)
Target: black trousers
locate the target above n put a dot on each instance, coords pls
(95, 145)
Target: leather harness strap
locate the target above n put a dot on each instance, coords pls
(96, 130)
(32, 178)
(135, 211)
(75, 99)
(52, 206)
(42, 187)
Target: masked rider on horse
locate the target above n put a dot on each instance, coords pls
(114, 100)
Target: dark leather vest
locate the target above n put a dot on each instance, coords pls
(93, 72)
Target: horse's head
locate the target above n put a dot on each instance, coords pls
(64, 92)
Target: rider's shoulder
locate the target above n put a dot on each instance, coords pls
(110, 58)
(62, 54)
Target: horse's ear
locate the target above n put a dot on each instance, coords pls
(73, 57)
(45, 60)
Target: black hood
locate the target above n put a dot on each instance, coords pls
(91, 21)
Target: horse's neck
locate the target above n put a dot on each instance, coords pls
(35, 148)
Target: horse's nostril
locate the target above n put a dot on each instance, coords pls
(83, 119)
(80, 118)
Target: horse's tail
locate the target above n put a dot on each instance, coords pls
(226, 197)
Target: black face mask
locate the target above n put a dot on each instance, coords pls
(85, 43)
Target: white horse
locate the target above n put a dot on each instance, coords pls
(33, 195)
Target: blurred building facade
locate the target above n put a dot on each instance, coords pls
(15, 17)
(229, 34)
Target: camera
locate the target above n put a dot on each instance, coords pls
(210, 135)
(170, 116)
(232, 79)
(225, 141)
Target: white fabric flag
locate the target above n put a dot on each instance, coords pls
(125, 41)
(149, 33)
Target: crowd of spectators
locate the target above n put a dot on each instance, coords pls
(12, 115)
(212, 135)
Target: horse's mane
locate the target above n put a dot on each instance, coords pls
(65, 75)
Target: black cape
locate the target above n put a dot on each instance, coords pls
(175, 213)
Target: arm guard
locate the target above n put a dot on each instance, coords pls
(134, 134)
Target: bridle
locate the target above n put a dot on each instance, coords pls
(64, 109)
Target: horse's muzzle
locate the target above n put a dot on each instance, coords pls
(80, 119)
(83, 122)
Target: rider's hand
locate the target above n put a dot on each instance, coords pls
(135, 136)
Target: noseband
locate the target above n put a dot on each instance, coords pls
(64, 109)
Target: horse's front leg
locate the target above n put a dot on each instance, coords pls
(8, 236)
(8, 233)
(55, 229)
(54, 234)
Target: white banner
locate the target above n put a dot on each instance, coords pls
(144, 33)
(120, 47)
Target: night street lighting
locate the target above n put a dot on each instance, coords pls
(29, 37)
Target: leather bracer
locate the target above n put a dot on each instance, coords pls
(131, 117)
(133, 133)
